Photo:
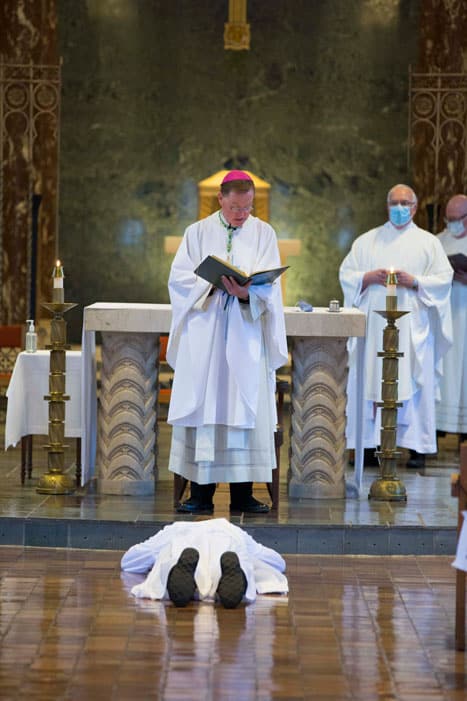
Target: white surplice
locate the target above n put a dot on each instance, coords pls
(425, 333)
(263, 567)
(224, 354)
(451, 410)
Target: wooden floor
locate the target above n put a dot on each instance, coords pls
(352, 627)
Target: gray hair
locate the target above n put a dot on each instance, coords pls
(414, 196)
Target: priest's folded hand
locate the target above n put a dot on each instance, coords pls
(405, 279)
(374, 277)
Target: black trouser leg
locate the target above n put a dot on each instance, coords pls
(240, 492)
(202, 492)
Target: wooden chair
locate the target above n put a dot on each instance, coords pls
(459, 490)
(180, 483)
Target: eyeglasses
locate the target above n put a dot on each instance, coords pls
(404, 203)
(244, 210)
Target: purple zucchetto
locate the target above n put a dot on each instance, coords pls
(236, 175)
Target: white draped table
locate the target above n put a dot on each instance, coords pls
(27, 410)
(119, 447)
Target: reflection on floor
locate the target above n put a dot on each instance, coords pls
(354, 627)
(424, 524)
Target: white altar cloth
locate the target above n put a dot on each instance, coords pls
(27, 410)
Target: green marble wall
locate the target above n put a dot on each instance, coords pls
(152, 103)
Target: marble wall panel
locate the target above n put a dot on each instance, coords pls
(152, 104)
(439, 142)
(29, 156)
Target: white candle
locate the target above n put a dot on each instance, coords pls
(58, 293)
(391, 284)
(391, 291)
(58, 275)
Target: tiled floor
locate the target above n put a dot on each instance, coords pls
(367, 628)
(354, 627)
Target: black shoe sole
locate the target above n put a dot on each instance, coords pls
(233, 582)
(181, 585)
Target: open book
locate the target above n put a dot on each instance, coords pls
(212, 268)
(458, 262)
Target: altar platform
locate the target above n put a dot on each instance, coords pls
(425, 524)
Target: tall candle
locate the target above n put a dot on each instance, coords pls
(391, 290)
(58, 294)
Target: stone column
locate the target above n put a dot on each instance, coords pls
(317, 440)
(127, 420)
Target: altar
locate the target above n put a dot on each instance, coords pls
(120, 438)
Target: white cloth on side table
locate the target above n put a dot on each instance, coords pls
(27, 410)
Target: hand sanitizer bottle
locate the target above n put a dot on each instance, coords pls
(31, 337)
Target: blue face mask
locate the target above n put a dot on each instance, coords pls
(455, 227)
(399, 214)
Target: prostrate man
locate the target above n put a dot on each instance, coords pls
(451, 410)
(224, 349)
(205, 560)
(424, 282)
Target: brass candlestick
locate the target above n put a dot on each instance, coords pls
(55, 481)
(388, 487)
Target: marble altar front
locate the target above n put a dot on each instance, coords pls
(124, 460)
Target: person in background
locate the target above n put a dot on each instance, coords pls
(451, 410)
(224, 348)
(424, 278)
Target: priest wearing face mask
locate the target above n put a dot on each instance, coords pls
(451, 410)
(424, 278)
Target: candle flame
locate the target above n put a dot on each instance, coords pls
(57, 264)
(391, 270)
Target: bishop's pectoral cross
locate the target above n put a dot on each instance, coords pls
(237, 30)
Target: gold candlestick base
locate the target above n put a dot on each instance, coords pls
(388, 486)
(55, 481)
(388, 489)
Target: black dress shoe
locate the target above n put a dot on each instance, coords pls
(233, 582)
(416, 461)
(250, 505)
(195, 506)
(181, 585)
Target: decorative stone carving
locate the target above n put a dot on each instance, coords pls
(319, 379)
(127, 419)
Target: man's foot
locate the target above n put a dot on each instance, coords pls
(233, 582)
(181, 585)
(250, 505)
(195, 506)
(416, 461)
